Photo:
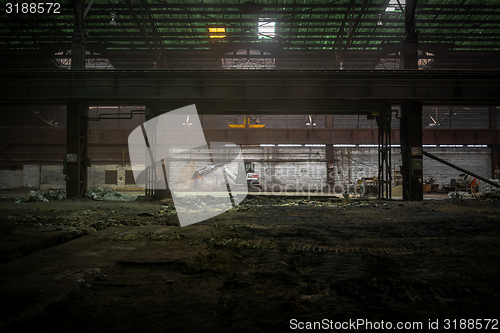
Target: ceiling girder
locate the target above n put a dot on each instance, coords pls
(264, 92)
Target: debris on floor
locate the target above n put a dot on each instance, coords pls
(153, 236)
(103, 194)
(99, 194)
(276, 258)
(42, 196)
(458, 194)
(165, 211)
(490, 195)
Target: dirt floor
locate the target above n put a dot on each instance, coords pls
(270, 265)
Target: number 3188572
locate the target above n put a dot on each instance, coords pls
(33, 8)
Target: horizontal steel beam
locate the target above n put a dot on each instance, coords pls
(369, 34)
(165, 22)
(257, 92)
(328, 5)
(11, 139)
(204, 38)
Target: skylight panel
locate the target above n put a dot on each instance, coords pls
(394, 6)
(267, 28)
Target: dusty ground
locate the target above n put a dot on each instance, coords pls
(88, 266)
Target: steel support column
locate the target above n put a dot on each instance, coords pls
(384, 155)
(76, 149)
(156, 182)
(411, 117)
(410, 42)
(78, 44)
(411, 151)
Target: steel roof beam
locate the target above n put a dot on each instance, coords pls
(423, 21)
(328, 5)
(376, 34)
(291, 42)
(266, 92)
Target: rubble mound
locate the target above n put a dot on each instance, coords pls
(50, 195)
(99, 194)
(103, 194)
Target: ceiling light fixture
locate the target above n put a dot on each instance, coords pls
(379, 21)
(310, 122)
(217, 32)
(187, 123)
(113, 16)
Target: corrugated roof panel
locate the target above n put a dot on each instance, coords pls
(310, 24)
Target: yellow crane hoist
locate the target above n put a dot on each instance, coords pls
(246, 124)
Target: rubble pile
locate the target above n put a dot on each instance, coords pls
(103, 194)
(50, 195)
(165, 211)
(238, 242)
(256, 203)
(202, 203)
(484, 187)
(42, 196)
(237, 226)
(488, 196)
(153, 236)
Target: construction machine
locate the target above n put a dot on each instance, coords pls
(246, 172)
(466, 182)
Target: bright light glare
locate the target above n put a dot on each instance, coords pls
(267, 29)
(216, 32)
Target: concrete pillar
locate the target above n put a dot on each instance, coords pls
(120, 181)
(330, 163)
(330, 156)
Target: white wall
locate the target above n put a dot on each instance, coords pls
(280, 167)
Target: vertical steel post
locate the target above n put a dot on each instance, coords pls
(159, 166)
(78, 43)
(411, 151)
(384, 154)
(410, 43)
(411, 116)
(76, 149)
(76, 160)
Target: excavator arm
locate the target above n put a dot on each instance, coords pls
(239, 177)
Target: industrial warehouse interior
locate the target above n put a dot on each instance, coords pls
(249, 166)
